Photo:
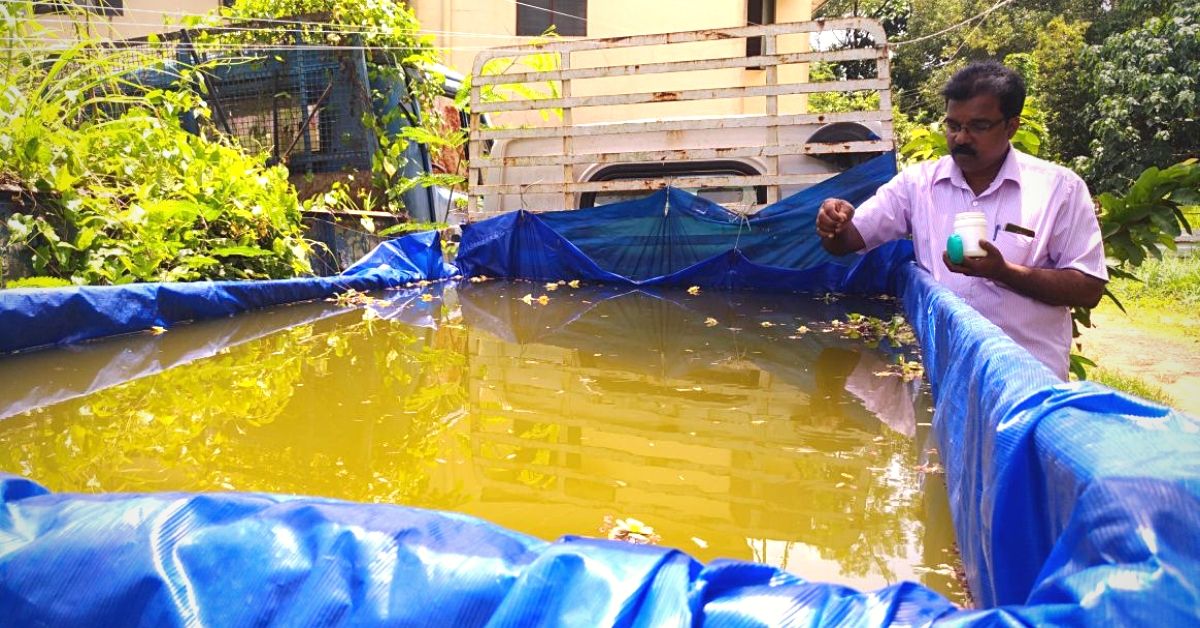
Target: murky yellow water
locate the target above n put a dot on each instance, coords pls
(740, 426)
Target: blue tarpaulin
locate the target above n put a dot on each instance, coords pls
(1073, 504)
(31, 318)
(675, 238)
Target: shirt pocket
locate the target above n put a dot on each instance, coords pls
(1016, 248)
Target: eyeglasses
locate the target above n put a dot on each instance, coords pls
(974, 127)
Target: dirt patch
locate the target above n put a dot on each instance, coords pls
(1159, 348)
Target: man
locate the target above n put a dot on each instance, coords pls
(1044, 253)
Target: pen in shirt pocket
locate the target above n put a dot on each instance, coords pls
(1011, 228)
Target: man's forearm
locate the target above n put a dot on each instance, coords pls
(1054, 286)
(847, 241)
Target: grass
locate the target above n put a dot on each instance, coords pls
(1170, 285)
(1131, 384)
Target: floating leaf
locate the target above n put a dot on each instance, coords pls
(711, 322)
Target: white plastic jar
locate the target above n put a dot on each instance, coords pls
(971, 227)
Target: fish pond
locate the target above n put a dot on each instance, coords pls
(784, 429)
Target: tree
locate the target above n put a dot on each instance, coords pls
(933, 38)
(1060, 45)
(1144, 82)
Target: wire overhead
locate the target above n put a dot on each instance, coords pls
(978, 16)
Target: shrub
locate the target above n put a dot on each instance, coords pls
(118, 191)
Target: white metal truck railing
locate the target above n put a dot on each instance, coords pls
(582, 80)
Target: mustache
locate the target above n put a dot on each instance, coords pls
(963, 150)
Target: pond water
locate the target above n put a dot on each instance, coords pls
(744, 426)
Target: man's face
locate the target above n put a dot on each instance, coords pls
(977, 133)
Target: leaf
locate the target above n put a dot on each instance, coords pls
(171, 210)
(240, 251)
(86, 236)
(199, 261)
(1186, 196)
(1079, 366)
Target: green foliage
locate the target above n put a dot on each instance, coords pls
(937, 49)
(928, 141)
(1079, 364)
(39, 282)
(1149, 215)
(896, 331)
(398, 55)
(1137, 224)
(122, 192)
(532, 63)
(1060, 45)
(1168, 283)
(892, 14)
(924, 142)
(831, 102)
(1145, 83)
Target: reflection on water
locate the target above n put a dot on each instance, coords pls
(737, 425)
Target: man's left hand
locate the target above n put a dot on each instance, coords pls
(992, 266)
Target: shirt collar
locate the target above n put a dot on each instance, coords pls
(1010, 170)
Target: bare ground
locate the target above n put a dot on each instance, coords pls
(1161, 348)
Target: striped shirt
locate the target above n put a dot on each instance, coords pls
(1044, 199)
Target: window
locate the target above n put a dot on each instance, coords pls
(758, 12)
(99, 7)
(569, 17)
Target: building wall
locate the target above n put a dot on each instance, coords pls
(140, 18)
(459, 27)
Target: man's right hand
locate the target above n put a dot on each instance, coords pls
(834, 216)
